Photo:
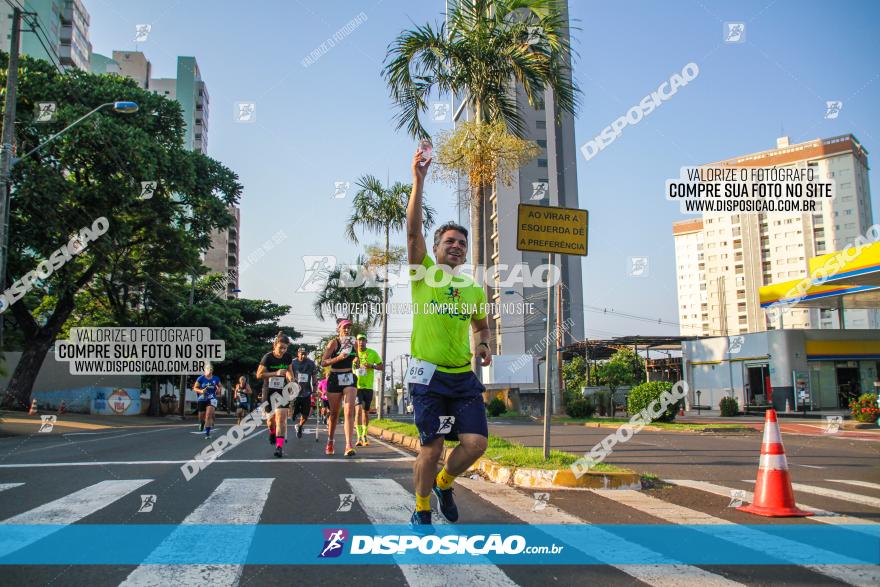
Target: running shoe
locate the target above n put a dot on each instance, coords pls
(278, 451)
(329, 450)
(359, 442)
(447, 504)
(272, 438)
(420, 522)
(366, 442)
(299, 431)
(201, 426)
(207, 437)
(350, 452)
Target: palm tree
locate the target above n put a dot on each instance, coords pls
(338, 290)
(382, 210)
(485, 46)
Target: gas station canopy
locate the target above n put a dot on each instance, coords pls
(849, 278)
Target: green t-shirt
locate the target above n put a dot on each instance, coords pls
(442, 315)
(365, 356)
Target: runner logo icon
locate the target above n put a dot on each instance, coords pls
(446, 423)
(334, 541)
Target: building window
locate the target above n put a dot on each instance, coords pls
(542, 143)
(542, 163)
(541, 124)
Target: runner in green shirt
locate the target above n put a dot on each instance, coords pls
(446, 394)
(365, 365)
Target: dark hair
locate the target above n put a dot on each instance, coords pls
(438, 234)
(282, 338)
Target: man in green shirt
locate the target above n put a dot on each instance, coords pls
(446, 394)
(365, 365)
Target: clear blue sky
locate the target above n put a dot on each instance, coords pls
(332, 121)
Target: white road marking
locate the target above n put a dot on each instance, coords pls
(235, 502)
(386, 502)
(807, 466)
(338, 459)
(857, 483)
(606, 547)
(852, 572)
(64, 511)
(394, 448)
(824, 516)
(836, 494)
(5, 486)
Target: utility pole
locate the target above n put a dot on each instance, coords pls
(6, 146)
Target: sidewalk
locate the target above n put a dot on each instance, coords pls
(789, 423)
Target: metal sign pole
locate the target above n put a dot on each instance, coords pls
(547, 390)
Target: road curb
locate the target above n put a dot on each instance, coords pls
(525, 477)
(616, 425)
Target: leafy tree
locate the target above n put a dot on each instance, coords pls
(486, 45)
(95, 170)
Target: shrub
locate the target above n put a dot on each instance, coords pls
(580, 408)
(641, 396)
(728, 406)
(865, 408)
(496, 407)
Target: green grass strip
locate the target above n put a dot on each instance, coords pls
(509, 453)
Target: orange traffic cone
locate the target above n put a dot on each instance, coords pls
(33, 410)
(774, 496)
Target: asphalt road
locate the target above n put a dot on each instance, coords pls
(99, 477)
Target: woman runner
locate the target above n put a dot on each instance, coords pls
(339, 355)
(242, 398)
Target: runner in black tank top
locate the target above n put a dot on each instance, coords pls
(339, 355)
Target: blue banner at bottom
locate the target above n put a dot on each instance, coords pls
(514, 544)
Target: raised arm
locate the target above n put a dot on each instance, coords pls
(415, 240)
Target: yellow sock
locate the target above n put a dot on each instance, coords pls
(423, 503)
(445, 479)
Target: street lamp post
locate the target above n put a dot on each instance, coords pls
(8, 162)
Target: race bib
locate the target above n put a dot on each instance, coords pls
(302, 377)
(362, 372)
(214, 402)
(419, 372)
(345, 378)
(276, 382)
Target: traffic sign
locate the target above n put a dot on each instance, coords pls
(550, 229)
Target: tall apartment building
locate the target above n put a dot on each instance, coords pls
(722, 260)
(190, 91)
(555, 169)
(64, 30)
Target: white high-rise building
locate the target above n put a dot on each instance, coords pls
(723, 260)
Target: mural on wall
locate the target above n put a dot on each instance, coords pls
(106, 401)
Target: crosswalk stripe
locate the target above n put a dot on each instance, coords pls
(824, 516)
(853, 572)
(857, 483)
(660, 575)
(64, 511)
(386, 502)
(836, 494)
(5, 486)
(235, 502)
